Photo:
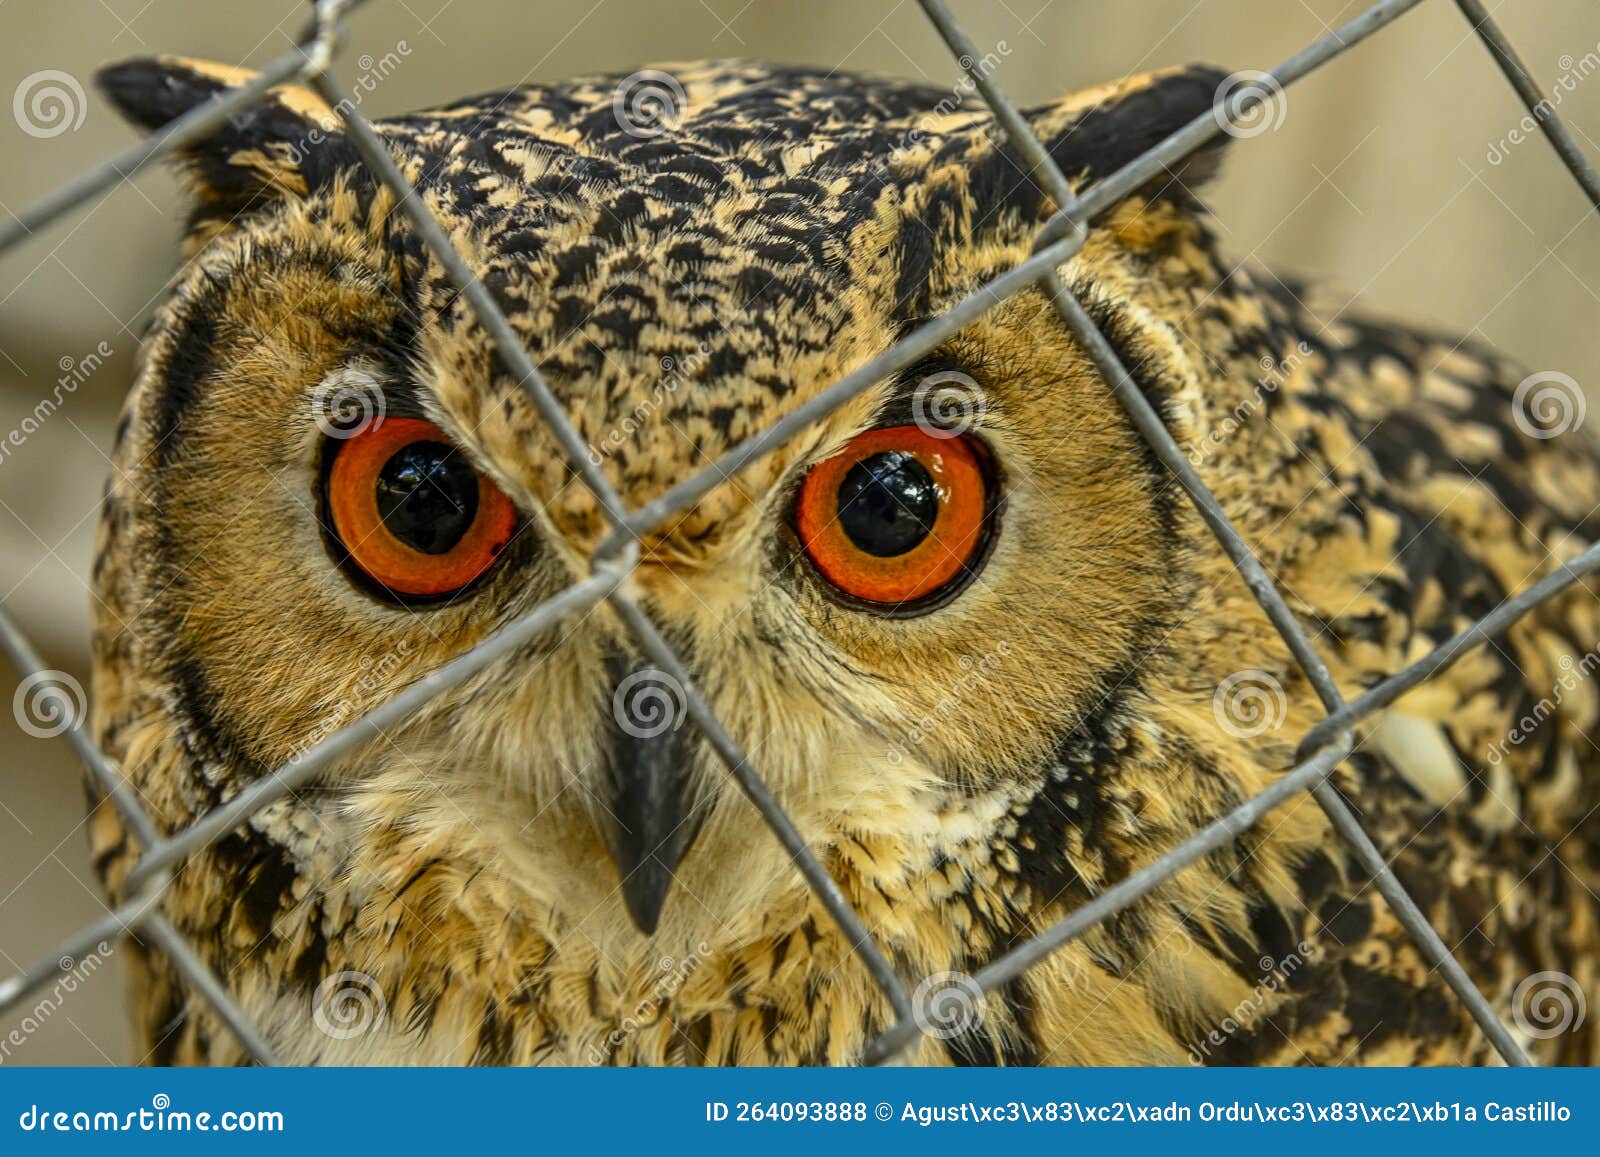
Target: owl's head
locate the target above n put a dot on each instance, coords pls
(328, 484)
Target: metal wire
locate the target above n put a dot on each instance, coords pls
(1321, 751)
(1538, 106)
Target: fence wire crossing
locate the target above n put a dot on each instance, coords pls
(1322, 750)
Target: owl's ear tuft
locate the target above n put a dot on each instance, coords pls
(1092, 134)
(286, 145)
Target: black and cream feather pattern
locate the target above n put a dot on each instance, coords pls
(970, 775)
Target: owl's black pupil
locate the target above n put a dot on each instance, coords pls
(428, 496)
(888, 503)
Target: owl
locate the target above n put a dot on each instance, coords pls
(967, 626)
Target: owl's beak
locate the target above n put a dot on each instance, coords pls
(652, 819)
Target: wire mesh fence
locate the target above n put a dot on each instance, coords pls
(1320, 752)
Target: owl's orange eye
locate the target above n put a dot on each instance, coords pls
(899, 518)
(411, 513)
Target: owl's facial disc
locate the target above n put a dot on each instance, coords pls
(896, 524)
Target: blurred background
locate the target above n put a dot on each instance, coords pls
(1394, 176)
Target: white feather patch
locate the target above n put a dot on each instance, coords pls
(1418, 750)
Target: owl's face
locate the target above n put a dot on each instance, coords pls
(329, 484)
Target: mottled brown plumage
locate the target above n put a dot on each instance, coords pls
(969, 775)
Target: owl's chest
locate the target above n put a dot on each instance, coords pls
(429, 971)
